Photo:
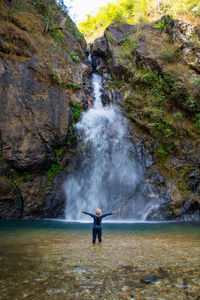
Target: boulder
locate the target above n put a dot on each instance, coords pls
(99, 47)
(99, 51)
(144, 59)
(118, 32)
(103, 48)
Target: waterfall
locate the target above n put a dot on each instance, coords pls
(109, 171)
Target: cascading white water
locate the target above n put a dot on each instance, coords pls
(108, 172)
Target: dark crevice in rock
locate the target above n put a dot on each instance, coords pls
(19, 202)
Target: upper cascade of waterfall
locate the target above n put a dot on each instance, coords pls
(108, 172)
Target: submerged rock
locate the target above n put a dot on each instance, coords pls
(150, 278)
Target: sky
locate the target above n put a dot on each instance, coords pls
(80, 8)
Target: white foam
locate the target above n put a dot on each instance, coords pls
(112, 222)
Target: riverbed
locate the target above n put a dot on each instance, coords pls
(56, 260)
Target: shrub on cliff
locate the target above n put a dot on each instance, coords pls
(134, 11)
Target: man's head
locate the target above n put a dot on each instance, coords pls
(98, 212)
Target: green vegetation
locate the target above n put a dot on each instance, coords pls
(56, 32)
(55, 168)
(164, 22)
(161, 154)
(74, 56)
(73, 86)
(149, 102)
(79, 36)
(111, 38)
(178, 115)
(160, 25)
(52, 172)
(26, 176)
(126, 49)
(134, 11)
(197, 84)
(169, 56)
(77, 110)
(71, 138)
(71, 27)
(150, 97)
(160, 91)
(56, 77)
(16, 178)
(38, 27)
(53, 14)
(51, 11)
(196, 120)
(19, 4)
(13, 182)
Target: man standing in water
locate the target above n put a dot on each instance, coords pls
(97, 229)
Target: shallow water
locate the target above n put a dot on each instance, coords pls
(56, 260)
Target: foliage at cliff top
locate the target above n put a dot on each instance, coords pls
(135, 11)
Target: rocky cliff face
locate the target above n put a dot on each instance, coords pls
(44, 85)
(152, 72)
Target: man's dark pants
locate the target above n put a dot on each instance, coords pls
(97, 230)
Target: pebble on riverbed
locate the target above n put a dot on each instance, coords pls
(150, 278)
